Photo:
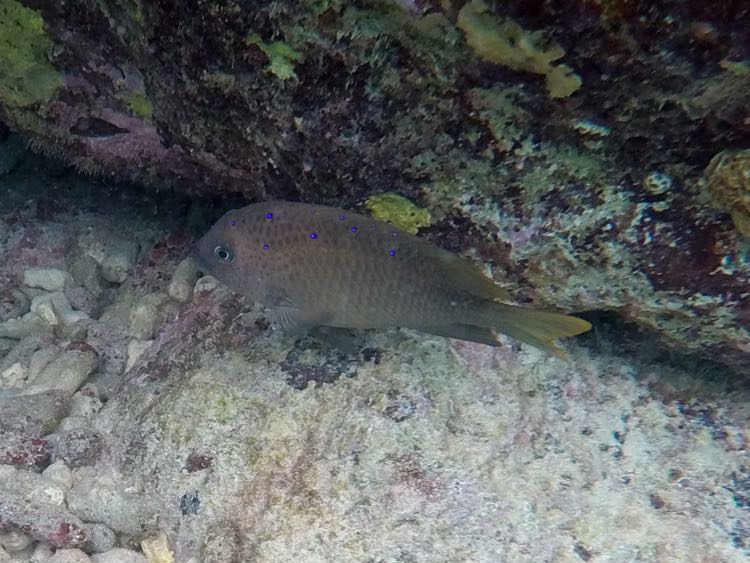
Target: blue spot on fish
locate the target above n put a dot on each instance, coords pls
(313, 235)
(354, 229)
(341, 217)
(391, 252)
(265, 247)
(269, 215)
(233, 222)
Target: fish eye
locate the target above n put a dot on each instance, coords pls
(223, 254)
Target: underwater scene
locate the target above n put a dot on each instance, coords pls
(374, 281)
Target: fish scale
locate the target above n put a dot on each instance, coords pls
(321, 265)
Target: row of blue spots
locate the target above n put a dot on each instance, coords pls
(313, 235)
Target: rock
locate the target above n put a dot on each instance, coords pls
(102, 499)
(48, 279)
(56, 310)
(145, 316)
(85, 272)
(59, 473)
(114, 254)
(41, 359)
(136, 348)
(76, 331)
(27, 503)
(183, 280)
(24, 421)
(72, 423)
(79, 447)
(69, 556)
(119, 555)
(83, 300)
(28, 324)
(156, 548)
(42, 553)
(86, 402)
(13, 304)
(14, 540)
(6, 344)
(205, 283)
(14, 376)
(100, 540)
(65, 373)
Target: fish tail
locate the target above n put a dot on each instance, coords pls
(534, 327)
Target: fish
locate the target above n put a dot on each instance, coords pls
(320, 266)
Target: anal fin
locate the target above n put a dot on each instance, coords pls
(465, 332)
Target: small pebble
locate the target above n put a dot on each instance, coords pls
(119, 260)
(119, 555)
(66, 373)
(115, 255)
(136, 348)
(59, 473)
(85, 271)
(42, 553)
(40, 360)
(14, 540)
(181, 287)
(206, 283)
(658, 183)
(13, 304)
(100, 539)
(144, 317)
(86, 402)
(69, 556)
(47, 494)
(102, 499)
(30, 323)
(82, 299)
(13, 377)
(79, 447)
(156, 548)
(56, 310)
(49, 279)
(72, 423)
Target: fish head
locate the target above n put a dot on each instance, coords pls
(224, 252)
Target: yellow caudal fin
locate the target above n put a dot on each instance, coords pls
(537, 328)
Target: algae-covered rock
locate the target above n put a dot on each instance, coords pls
(472, 111)
(728, 183)
(506, 43)
(396, 209)
(27, 77)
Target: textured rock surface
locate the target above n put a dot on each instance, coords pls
(332, 102)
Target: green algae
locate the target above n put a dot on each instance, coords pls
(281, 56)
(139, 104)
(26, 76)
(506, 43)
(399, 211)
